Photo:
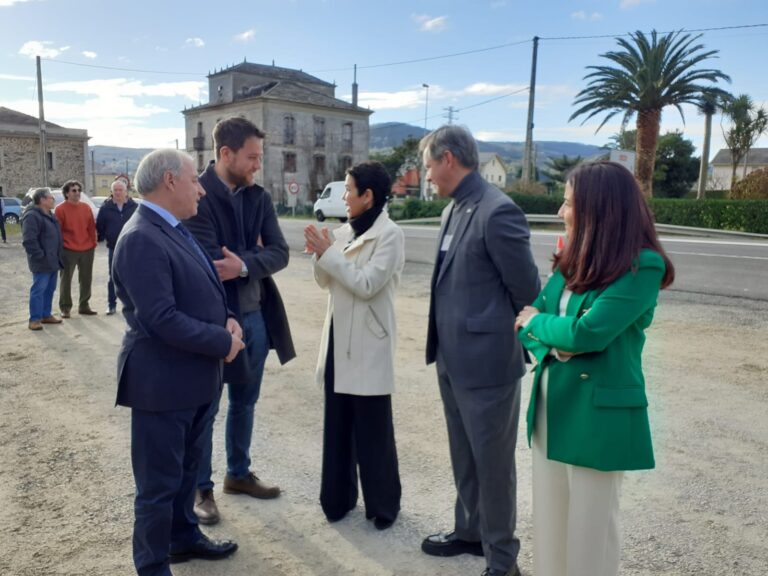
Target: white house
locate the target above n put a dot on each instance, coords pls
(721, 168)
(493, 169)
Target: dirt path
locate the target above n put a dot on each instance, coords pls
(66, 485)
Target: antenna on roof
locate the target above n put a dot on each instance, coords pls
(273, 61)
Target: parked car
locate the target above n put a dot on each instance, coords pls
(330, 203)
(58, 196)
(11, 209)
(99, 200)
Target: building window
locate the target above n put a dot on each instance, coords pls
(199, 128)
(49, 161)
(346, 137)
(320, 132)
(289, 162)
(289, 131)
(345, 162)
(319, 164)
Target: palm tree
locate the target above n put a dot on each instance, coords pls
(650, 74)
(748, 125)
(709, 105)
(559, 167)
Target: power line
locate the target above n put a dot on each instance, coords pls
(524, 89)
(669, 32)
(120, 69)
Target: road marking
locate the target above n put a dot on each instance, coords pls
(718, 255)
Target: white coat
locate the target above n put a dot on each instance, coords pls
(361, 276)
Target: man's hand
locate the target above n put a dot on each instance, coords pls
(525, 314)
(236, 346)
(234, 328)
(228, 267)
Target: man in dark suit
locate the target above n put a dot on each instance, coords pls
(170, 362)
(237, 226)
(484, 274)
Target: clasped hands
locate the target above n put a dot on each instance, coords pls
(522, 319)
(317, 241)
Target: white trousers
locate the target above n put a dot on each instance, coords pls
(575, 511)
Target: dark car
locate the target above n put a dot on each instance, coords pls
(11, 209)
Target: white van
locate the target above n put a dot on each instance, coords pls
(330, 204)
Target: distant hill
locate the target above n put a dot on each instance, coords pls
(114, 159)
(390, 134)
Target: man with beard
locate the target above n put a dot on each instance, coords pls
(237, 226)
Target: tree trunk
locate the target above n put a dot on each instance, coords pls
(704, 167)
(647, 137)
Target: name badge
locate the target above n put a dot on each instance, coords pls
(446, 242)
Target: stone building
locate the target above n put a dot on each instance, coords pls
(20, 170)
(312, 137)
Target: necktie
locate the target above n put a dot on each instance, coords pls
(192, 243)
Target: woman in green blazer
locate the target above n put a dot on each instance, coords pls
(587, 417)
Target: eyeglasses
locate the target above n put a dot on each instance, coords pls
(75, 190)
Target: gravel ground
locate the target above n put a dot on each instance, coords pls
(66, 483)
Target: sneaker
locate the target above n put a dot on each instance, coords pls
(65, 314)
(111, 311)
(250, 485)
(205, 507)
(35, 325)
(51, 320)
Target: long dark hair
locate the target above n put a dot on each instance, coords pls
(611, 224)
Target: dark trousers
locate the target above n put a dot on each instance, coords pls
(358, 432)
(2, 226)
(111, 297)
(83, 261)
(165, 453)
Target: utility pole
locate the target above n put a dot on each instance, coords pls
(423, 172)
(41, 117)
(450, 112)
(93, 173)
(528, 154)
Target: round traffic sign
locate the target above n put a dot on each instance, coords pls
(293, 187)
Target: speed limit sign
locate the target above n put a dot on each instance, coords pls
(293, 188)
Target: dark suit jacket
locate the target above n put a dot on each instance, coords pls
(176, 311)
(487, 276)
(263, 249)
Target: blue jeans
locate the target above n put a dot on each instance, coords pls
(111, 297)
(242, 402)
(41, 295)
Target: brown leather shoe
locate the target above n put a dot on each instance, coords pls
(65, 314)
(51, 320)
(250, 485)
(35, 325)
(205, 507)
(87, 312)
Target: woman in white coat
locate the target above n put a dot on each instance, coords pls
(360, 269)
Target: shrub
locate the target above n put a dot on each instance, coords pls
(754, 186)
(737, 215)
(536, 204)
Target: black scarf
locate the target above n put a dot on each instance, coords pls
(362, 223)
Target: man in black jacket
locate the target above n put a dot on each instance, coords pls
(113, 215)
(237, 225)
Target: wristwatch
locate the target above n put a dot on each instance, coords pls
(243, 271)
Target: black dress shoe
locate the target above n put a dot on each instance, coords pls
(450, 545)
(204, 549)
(514, 571)
(382, 523)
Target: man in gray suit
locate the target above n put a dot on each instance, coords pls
(484, 275)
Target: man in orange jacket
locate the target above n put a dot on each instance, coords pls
(78, 230)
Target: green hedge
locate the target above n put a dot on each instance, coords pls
(738, 215)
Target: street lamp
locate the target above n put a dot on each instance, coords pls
(423, 192)
(426, 105)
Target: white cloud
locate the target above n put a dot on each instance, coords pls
(195, 42)
(4, 3)
(89, 54)
(581, 15)
(44, 49)
(429, 23)
(392, 100)
(122, 87)
(246, 36)
(488, 89)
(627, 4)
(14, 77)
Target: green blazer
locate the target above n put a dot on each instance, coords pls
(597, 413)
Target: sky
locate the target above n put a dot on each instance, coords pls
(124, 71)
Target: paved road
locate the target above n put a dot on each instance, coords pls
(706, 266)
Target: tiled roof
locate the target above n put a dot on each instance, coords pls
(8, 116)
(756, 156)
(272, 71)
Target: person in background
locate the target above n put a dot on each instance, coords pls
(113, 215)
(588, 415)
(170, 362)
(360, 269)
(2, 218)
(42, 242)
(78, 229)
